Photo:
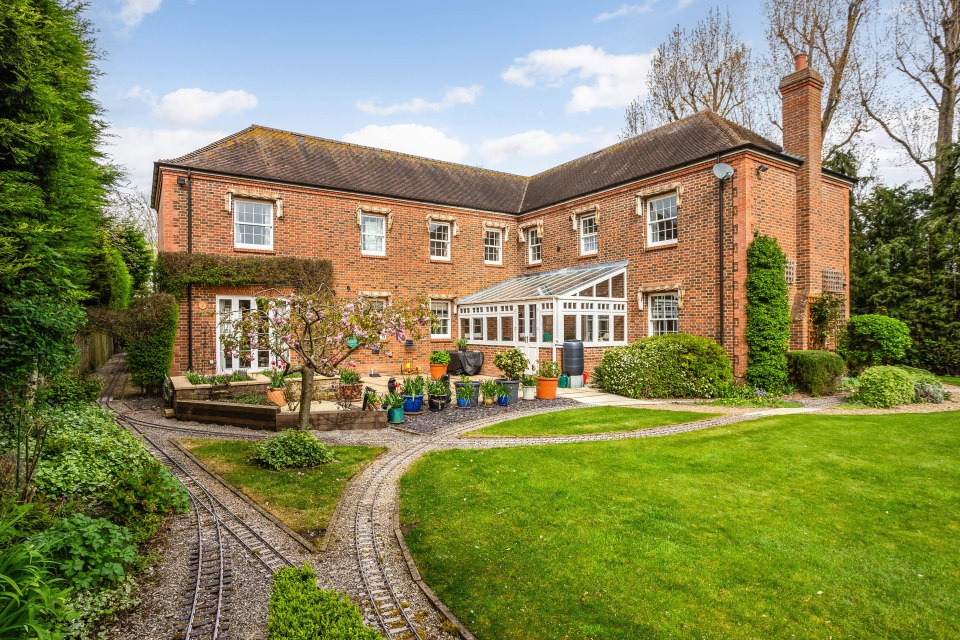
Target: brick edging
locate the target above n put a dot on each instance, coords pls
(303, 542)
(415, 574)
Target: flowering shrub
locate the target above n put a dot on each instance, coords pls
(511, 362)
(670, 366)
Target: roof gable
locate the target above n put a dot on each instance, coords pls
(271, 154)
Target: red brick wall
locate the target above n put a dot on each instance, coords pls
(323, 224)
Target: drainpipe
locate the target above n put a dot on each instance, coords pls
(189, 285)
(722, 172)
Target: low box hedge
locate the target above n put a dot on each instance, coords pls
(299, 610)
(816, 372)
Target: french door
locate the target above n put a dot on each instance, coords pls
(253, 355)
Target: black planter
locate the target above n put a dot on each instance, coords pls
(476, 390)
(513, 388)
(437, 403)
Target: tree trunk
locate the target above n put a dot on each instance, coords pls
(306, 397)
(945, 118)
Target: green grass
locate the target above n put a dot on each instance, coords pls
(792, 526)
(772, 403)
(303, 499)
(954, 380)
(591, 420)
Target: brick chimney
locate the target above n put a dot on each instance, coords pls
(801, 91)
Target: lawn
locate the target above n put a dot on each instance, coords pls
(954, 380)
(591, 420)
(303, 499)
(791, 526)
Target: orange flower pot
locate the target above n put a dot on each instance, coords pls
(277, 396)
(437, 371)
(547, 388)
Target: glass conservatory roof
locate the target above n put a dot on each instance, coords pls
(545, 284)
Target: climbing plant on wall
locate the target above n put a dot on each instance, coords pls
(768, 315)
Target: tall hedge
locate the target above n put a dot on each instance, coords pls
(175, 270)
(150, 327)
(768, 315)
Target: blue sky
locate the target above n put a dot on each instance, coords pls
(514, 86)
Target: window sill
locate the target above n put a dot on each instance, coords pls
(441, 260)
(584, 256)
(253, 250)
(535, 264)
(657, 247)
(499, 265)
(440, 338)
(375, 256)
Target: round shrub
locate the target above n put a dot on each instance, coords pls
(671, 366)
(292, 449)
(816, 372)
(884, 387)
(873, 339)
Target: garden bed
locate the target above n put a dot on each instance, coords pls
(273, 418)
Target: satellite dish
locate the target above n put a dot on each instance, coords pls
(723, 171)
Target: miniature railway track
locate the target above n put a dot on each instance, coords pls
(388, 605)
(208, 603)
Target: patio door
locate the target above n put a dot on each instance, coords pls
(231, 309)
(528, 334)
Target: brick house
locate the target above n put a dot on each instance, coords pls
(617, 245)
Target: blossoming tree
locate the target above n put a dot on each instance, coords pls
(315, 333)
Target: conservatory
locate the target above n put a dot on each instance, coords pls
(541, 310)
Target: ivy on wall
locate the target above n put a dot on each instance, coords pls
(176, 270)
(768, 315)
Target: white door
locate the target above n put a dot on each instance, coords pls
(233, 308)
(528, 330)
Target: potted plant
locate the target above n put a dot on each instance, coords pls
(465, 396)
(350, 387)
(439, 395)
(413, 390)
(547, 377)
(371, 401)
(438, 364)
(529, 386)
(489, 390)
(277, 392)
(461, 344)
(503, 396)
(472, 385)
(512, 363)
(394, 406)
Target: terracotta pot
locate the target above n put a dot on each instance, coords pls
(437, 371)
(547, 388)
(350, 391)
(277, 396)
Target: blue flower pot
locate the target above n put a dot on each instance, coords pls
(503, 400)
(395, 416)
(463, 403)
(412, 404)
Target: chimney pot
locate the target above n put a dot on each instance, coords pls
(801, 61)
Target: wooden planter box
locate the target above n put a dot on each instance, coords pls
(183, 389)
(255, 416)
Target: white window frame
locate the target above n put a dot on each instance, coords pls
(235, 363)
(268, 246)
(585, 236)
(446, 306)
(652, 230)
(534, 232)
(651, 320)
(499, 245)
(442, 244)
(383, 235)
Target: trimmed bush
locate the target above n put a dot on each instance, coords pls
(873, 339)
(670, 366)
(884, 387)
(301, 611)
(175, 270)
(150, 329)
(768, 315)
(292, 449)
(817, 372)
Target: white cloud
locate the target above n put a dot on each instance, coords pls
(195, 106)
(417, 139)
(132, 12)
(451, 98)
(601, 79)
(625, 10)
(137, 148)
(527, 144)
(683, 4)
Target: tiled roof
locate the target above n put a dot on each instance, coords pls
(544, 284)
(272, 154)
